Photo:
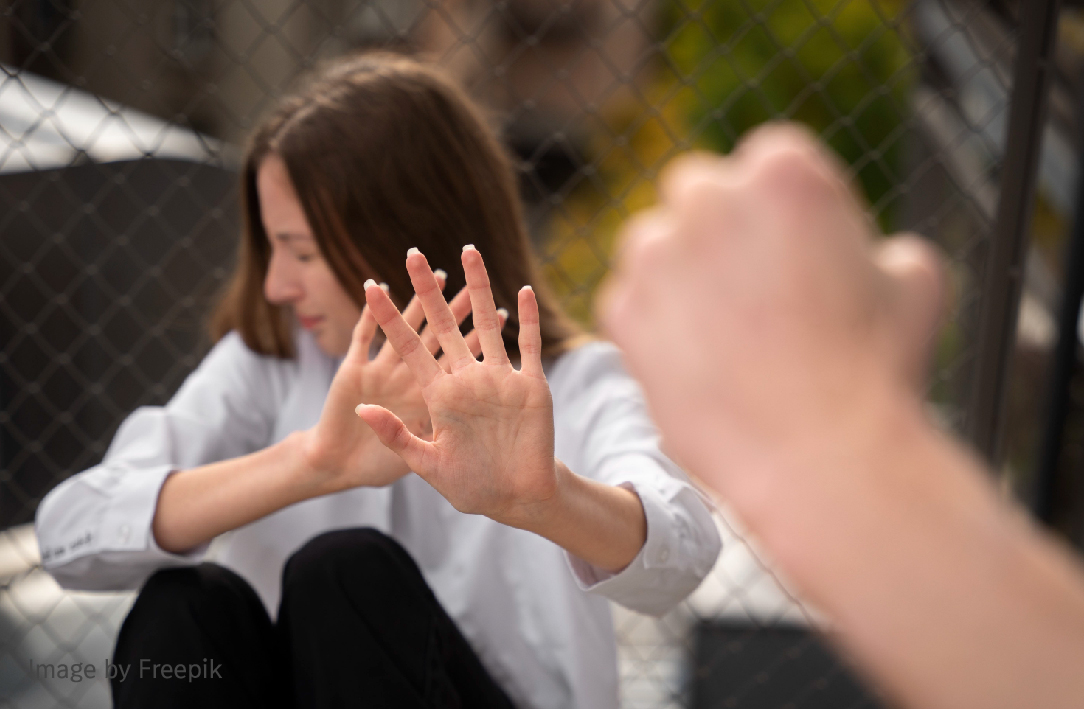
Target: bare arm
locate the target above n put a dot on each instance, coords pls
(198, 504)
(946, 594)
(780, 351)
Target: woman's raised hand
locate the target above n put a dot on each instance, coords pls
(343, 449)
(491, 449)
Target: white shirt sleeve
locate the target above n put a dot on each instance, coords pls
(94, 529)
(604, 430)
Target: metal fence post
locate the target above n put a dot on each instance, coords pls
(1064, 357)
(1004, 265)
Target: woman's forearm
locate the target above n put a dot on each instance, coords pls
(601, 524)
(198, 504)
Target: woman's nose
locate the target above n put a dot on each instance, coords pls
(281, 285)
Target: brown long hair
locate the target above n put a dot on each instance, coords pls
(386, 153)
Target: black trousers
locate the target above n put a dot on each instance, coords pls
(357, 627)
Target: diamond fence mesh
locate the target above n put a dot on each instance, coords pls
(119, 127)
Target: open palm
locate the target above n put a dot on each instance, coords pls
(344, 448)
(491, 450)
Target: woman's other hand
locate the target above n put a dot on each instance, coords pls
(491, 451)
(340, 446)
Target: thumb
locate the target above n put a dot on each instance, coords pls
(395, 435)
(920, 290)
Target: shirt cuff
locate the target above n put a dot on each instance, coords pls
(127, 525)
(680, 548)
(592, 578)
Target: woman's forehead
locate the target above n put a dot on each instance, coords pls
(282, 214)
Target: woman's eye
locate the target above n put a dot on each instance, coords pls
(306, 258)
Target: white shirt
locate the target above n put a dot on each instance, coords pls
(537, 617)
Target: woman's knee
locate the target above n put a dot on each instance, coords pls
(204, 617)
(177, 602)
(333, 559)
(204, 586)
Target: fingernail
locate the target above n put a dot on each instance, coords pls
(440, 273)
(527, 287)
(469, 247)
(357, 409)
(384, 287)
(412, 250)
(369, 284)
(503, 312)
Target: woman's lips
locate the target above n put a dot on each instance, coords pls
(309, 323)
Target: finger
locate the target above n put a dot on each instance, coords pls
(486, 322)
(414, 313)
(687, 169)
(362, 337)
(414, 316)
(394, 434)
(918, 290)
(530, 335)
(460, 307)
(401, 336)
(473, 342)
(791, 154)
(784, 136)
(437, 313)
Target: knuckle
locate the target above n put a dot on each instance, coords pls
(479, 279)
(705, 195)
(444, 325)
(792, 173)
(426, 289)
(407, 346)
(400, 436)
(784, 161)
(775, 136)
(685, 169)
(487, 321)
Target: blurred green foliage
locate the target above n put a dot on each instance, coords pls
(839, 66)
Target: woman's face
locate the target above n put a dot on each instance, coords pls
(297, 275)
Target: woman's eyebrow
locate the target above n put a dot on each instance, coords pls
(288, 236)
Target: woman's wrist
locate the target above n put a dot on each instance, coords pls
(601, 524)
(540, 514)
(309, 476)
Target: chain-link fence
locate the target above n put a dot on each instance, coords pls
(120, 122)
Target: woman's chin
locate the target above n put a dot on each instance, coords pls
(329, 344)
